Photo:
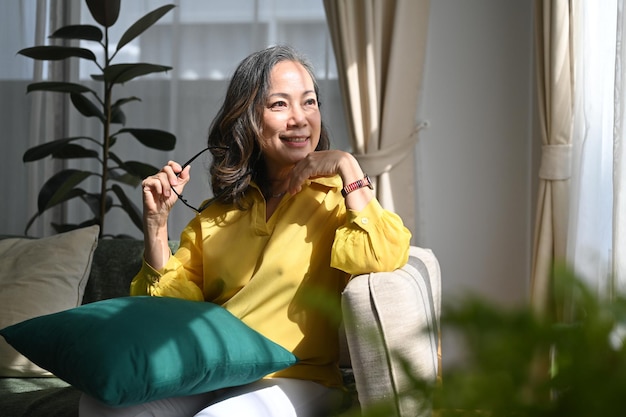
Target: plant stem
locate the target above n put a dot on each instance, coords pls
(108, 87)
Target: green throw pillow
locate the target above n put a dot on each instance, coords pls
(130, 350)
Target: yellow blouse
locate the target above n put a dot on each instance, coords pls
(283, 277)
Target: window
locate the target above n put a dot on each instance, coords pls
(206, 39)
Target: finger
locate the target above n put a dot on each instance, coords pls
(172, 170)
(302, 171)
(184, 174)
(153, 185)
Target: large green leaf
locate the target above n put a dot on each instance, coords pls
(104, 12)
(86, 107)
(55, 53)
(142, 24)
(129, 207)
(60, 188)
(73, 151)
(153, 138)
(59, 87)
(41, 151)
(84, 32)
(121, 73)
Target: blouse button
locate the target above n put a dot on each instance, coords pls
(364, 220)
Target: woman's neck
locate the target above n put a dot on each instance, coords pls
(277, 182)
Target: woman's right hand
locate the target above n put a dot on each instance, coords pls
(158, 198)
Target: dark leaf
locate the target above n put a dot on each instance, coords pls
(48, 148)
(115, 158)
(153, 138)
(122, 101)
(68, 227)
(73, 193)
(142, 24)
(84, 32)
(129, 207)
(60, 87)
(72, 151)
(55, 53)
(124, 178)
(135, 169)
(140, 169)
(86, 107)
(93, 201)
(118, 116)
(104, 12)
(121, 73)
(60, 188)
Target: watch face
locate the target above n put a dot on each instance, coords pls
(369, 182)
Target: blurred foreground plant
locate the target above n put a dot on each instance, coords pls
(517, 364)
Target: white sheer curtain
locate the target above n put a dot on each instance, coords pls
(14, 105)
(203, 40)
(31, 120)
(596, 247)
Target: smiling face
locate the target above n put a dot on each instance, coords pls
(291, 118)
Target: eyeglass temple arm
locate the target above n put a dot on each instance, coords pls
(193, 158)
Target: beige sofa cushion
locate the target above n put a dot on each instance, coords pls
(387, 317)
(39, 277)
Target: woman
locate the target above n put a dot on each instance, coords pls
(291, 221)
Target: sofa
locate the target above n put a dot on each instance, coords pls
(389, 335)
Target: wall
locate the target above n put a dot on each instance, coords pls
(475, 176)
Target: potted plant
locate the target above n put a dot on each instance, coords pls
(106, 109)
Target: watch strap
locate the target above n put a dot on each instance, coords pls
(353, 186)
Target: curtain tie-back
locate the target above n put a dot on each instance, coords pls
(383, 160)
(556, 162)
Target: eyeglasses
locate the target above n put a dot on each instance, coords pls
(193, 158)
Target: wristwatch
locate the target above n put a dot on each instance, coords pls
(365, 182)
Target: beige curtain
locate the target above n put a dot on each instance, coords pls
(380, 47)
(554, 41)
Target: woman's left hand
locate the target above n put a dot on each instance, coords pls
(327, 164)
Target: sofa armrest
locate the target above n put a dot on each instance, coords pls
(391, 321)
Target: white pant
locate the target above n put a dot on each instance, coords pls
(277, 397)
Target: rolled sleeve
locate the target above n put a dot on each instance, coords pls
(167, 282)
(372, 240)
